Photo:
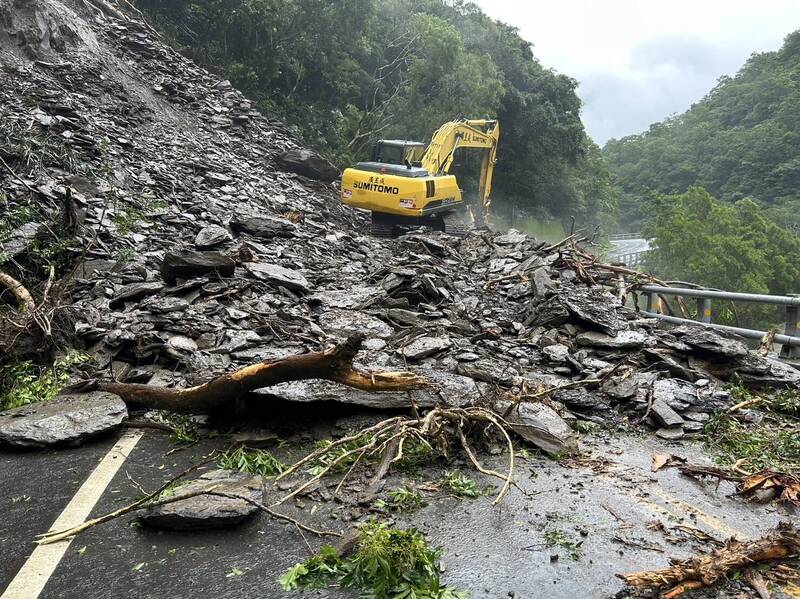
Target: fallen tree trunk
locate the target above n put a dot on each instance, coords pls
(335, 364)
(704, 570)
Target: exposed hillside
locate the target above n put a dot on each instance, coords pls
(741, 141)
(346, 73)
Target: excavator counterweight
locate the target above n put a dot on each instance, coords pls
(407, 184)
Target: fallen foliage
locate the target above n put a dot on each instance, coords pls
(387, 563)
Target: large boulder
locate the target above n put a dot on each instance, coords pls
(309, 164)
(540, 425)
(66, 419)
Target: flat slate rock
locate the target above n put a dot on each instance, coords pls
(622, 340)
(450, 389)
(209, 511)
(189, 264)
(278, 275)
(343, 323)
(708, 341)
(134, 292)
(66, 419)
(264, 226)
(425, 347)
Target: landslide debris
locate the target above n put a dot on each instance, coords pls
(189, 253)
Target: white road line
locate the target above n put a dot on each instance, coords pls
(37, 570)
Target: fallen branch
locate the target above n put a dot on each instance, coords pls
(781, 486)
(704, 570)
(334, 364)
(149, 500)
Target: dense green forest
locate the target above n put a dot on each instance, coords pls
(741, 141)
(344, 73)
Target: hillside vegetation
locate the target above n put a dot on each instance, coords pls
(741, 141)
(346, 73)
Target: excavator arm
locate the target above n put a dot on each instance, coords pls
(482, 134)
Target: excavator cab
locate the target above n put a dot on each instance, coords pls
(398, 151)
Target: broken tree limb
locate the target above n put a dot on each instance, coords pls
(334, 364)
(20, 293)
(705, 570)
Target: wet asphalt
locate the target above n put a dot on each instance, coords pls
(598, 508)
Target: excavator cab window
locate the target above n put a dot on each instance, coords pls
(407, 153)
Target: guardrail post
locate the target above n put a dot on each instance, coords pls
(653, 303)
(792, 326)
(704, 309)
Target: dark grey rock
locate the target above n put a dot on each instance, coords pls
(66, 419)
(594, 309)
(664, 414)
(707, 341)
(209, 511)
(278, 275)
(264, 226)
(20, 240)
(541, 282)
(672, 433)
(188, 264)
(664, 361)
(309, 164)
(134, 292)
(488, 370)
(425, 347)
(677, 394)
(625, 387)
(211, 236)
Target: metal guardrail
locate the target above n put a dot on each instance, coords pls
(632, 259)
(790, 339)
(621, 236)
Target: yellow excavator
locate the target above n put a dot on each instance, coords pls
(407, 184)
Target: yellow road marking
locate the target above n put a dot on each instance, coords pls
(37, 570)
(680, 507)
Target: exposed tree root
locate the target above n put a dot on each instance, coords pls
(20, 293)
(335, 364)
(389, 436)
(705, 570)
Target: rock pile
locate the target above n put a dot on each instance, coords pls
(198, 253)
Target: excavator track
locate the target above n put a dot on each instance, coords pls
(380, 227)
(454, 225)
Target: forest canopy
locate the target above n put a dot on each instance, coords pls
(742, 140)
(347, 72)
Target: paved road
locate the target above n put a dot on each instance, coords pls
(491, 551)
(628, 246)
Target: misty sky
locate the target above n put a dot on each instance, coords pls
(639, 61)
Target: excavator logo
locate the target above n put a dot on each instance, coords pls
(376, 187)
